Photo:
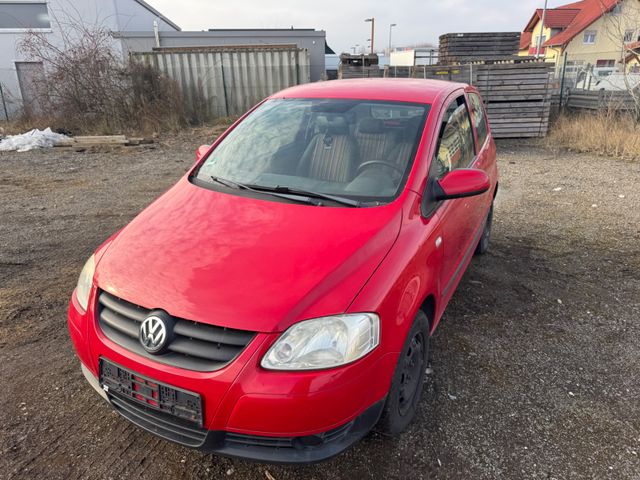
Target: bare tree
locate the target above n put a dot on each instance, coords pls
(88, 86)
(621, 26)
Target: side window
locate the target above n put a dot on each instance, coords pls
(479, 118)
(455, 145)
(455, 149)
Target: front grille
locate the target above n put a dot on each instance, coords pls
(194, 346)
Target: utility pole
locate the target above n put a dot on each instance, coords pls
(390, 33)
(373, 31)
(544, 16)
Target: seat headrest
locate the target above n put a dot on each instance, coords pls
(410, 129)
(333, 126)
(370, 125)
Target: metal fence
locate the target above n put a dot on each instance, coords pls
(220, 82)
(593, 85)
(599, 100)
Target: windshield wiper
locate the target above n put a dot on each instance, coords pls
(227, 183)
(274, 193)
(296, 191)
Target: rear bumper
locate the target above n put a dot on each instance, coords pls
(292, 450)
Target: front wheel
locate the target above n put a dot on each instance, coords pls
(483, 244)
(408, 379)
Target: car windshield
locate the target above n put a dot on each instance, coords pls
(355, 149)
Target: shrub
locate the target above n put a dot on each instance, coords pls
(605, 133)
(87, 88)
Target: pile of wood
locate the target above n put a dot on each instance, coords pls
(86, 142)
(517, 95)
(349, 71)
(359, 66)
(459, 48)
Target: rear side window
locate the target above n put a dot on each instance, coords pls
(479, 117)
(455, 147)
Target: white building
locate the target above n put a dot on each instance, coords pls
(50, 17)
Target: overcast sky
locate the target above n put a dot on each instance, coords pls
(418, 21)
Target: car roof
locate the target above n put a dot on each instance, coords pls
(390, 89)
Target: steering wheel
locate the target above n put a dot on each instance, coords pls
(380, 162)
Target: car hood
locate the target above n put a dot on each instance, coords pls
(245, 263)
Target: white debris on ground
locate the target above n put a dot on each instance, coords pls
(31, 140)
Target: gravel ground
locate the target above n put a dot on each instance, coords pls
(535, 369)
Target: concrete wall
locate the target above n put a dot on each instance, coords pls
(312, 40)
(114, 15)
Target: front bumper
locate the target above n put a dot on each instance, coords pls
(249, 412)
(302, 449)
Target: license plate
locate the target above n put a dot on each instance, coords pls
(118, 381)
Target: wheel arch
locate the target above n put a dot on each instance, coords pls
(428, 306)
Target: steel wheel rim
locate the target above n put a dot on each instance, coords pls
(411, 374)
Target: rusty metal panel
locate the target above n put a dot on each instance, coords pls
(219, 82)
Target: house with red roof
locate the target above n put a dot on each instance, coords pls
(591, 33)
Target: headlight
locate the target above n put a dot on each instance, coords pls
(83, 289)
(324, 342)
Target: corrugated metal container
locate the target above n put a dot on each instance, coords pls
(221, 81)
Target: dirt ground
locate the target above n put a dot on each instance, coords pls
(535, 369)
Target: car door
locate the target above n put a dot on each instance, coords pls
(485, 147)
(459, 217)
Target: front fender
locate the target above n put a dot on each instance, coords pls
(405, 278)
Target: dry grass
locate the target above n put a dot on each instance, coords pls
(604, 133)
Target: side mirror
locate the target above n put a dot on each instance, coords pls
(464, 182)
(202, 151)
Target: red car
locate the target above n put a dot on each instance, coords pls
(277, 302)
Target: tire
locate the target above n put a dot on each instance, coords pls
(483, 244)
(408, 379)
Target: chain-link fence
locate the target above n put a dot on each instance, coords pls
(595, 81)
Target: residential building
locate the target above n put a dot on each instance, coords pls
(591, 33)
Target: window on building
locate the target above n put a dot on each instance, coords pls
(628, 36)
(617, 10)
(605, 63)
(544, 39)
(574, 66)
(24, 15)
(590, 37)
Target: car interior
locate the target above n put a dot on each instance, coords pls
(340, 147)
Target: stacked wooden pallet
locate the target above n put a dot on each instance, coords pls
(457, 48)
(359, 66)
(517, 95)
(352, 71)
(84, 142)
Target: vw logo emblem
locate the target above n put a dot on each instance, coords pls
(153, 334)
